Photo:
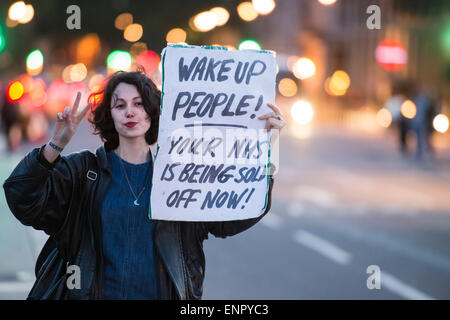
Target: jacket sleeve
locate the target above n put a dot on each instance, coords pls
(230, 228)
(39, 193)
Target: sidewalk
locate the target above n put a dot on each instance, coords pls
(19, 245)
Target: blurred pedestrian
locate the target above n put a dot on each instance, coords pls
(95, 206)
(394, 103)
(420, 124)
(10, 123)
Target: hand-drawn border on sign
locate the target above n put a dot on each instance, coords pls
(163, 57)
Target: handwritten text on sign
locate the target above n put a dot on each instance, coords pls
(213, 152)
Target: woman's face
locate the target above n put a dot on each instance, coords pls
(128, 112)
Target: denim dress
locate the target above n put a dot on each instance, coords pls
(129, 250)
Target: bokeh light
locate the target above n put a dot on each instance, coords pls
(222, 15)
(87, 48)
(27, 82)
(408, 109)
(15, 91)
(11, 23)
(287, 87)
(249, 45)
(137, 48)
(302, 112)
(28, 16)
(247, 11)
(17, 10)
(264, 7)
(119, 60)
(78, 72)
(2, 40)
(176, 35)
(133, 32)
(304, 68)
(149, 60)
(338, 83)
(96, 81)
(327, 2)
(35, 59)
(35, 62)
(205, 21)
(123, 20)
(391, 55)
(441, 123)
(384, 117)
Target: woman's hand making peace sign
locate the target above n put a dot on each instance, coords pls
(66, 125)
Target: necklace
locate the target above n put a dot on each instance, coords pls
(129, 185)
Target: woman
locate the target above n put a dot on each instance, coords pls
(94, 206)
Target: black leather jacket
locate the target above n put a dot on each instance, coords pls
(53, 197)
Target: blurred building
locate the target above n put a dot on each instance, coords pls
(336, 37)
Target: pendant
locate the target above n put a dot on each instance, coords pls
(136, 203)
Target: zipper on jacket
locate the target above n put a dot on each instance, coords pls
(95, 219)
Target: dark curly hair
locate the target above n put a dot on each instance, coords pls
(101, 118)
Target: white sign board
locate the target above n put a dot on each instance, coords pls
(213, 153)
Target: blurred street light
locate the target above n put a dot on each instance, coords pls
(408, 109)
(302, 112)
(205, 21)
(78, 72)
(391, 55)
(15, 91)
(247, 11)
(304, 68)
(133, 32)
(441, 123)
(2, 40)
(445, 38)
(17, 10)
(384, 117)
(28, 16)
(222, 15)
(327, 2)
(287, 87)
(11, 23)
(264, 7)
(249, 45)
(176, 35)
(338, 83)
(119, 60)
(149, 60)
(123, 20)
(35, 62)
(87, 48)
(96, 81)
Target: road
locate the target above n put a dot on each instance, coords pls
(343, 202)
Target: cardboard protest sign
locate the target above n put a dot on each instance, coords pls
(213, 154)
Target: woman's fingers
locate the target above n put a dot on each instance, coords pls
(273, 123)
(76, 103)
(267, 116)
(274, 120)
(66, 111)
(86, 109)
(274, 108)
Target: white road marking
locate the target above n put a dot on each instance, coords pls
(318, 196)
(402, 289)
(295, 209)
(272, 221)
(15, 286)
(322, 246)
